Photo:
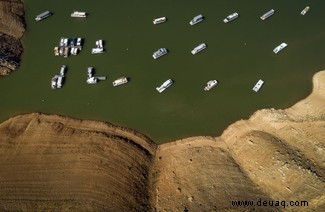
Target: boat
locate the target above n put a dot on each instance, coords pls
(267, 14)
(63, 70)
(61, 50)
(160, 52)
(92, 80)
(65, 42)
(79, 40)
(230, 17)
(279, 48)
(62, 41)
(73, 41)
(100, 44)
(210, 85)
(66, 52)
(304, 11)
(60, 81)
(90, 72)
(198, 48)
(56, 51)
(74, 51)
(164, 86)
(77, 14)
(120, 81)
(196, 19)
(159, 20)
(258, 85)
(97, 50)
(54, 81)
(43, 15)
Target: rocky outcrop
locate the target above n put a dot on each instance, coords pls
(12, 27)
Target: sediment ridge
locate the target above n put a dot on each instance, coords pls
(12, 28)
(50, 162)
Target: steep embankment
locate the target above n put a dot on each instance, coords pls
(276, 154)
(12, 27)
(49, 162)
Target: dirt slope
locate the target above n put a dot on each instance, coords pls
(56, 163)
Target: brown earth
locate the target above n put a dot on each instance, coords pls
(12, 28)
(49, 162)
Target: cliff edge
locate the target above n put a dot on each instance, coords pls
(12, 28)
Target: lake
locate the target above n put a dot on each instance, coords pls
(238, 54)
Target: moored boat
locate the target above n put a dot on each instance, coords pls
(43, 15)
(196, 19)
(267, 14)
(304, 11)
(210, 85)
(77, 14)
(120, 81)
(160, 52)
(56, 51)
(54, 81)
(164, 86)
(258, 85)
(90, 72)
(63, 70)
(199, 48)
(279, 48)
(159, 20)
(230, 17)
(92, 80)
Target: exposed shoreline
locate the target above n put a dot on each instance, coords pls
(274, 155)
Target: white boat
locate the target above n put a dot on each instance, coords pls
(79, 40)
(43, 15)
(267, 14)
(100, 43)
(65, 42)
(304, 11)
(199, 48)
(97, 50)
(90, 72)
(54, 82)
(92, 80)
(164, 86)
(230, 17)
(74, 51)
(60, 81)
(279, 48)
(159, 20)
(66, 52)
(63, 70)
(160, 52)
(196, 19)
(210, 85)
(258, 85)
(120, 81)
(77, 14)
(62, 41)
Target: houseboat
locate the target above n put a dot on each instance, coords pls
(77, 14)
(230, 17)
(164, 86)
(120, 81)
(43, 15)
(199, 48)
(196, 19)
(279, 48)
(304, 11)
(90, 72)
(160, 52)
(210, 85)
(267, 14)
(258, 85)
(159, 20)
(63, 70)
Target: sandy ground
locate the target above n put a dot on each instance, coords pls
(49, 162)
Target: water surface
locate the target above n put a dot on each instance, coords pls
(238, 55)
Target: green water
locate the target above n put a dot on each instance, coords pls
(238, 55)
